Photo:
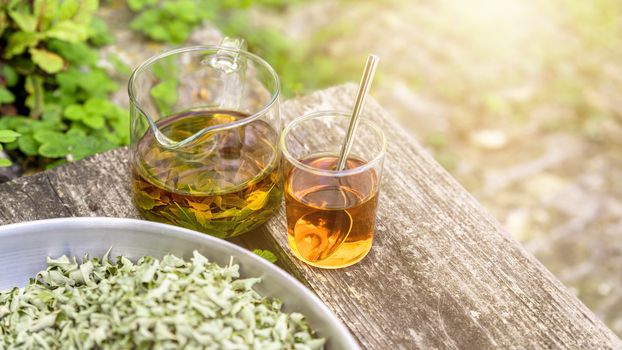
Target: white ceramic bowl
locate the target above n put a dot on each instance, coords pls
(24, 247)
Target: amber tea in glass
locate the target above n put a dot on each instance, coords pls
(330, 213)
(205, 124)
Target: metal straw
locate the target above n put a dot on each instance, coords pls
(368, 77)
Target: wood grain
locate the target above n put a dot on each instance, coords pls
(442, 272)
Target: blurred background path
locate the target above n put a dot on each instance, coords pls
(521, 100)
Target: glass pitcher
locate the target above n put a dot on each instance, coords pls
(204, 129)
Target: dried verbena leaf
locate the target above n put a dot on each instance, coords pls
(150, 304)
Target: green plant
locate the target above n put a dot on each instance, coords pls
(300, 67)
(51, 90)
(169, 21)
(7, 136)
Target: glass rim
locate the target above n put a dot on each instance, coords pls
(131, 90)
(323, 172)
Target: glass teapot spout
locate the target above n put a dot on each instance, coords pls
(177, 82)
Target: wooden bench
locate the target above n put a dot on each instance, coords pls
(442, 272)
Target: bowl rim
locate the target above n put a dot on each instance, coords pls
(176, 232)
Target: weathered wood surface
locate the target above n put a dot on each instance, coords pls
(442, 272)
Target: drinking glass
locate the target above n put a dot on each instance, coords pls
(204, 132)
(331, 213)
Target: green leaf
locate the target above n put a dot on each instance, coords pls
(20, 124)
(68, 31)
(5, 163)
(77, 53)
(74, 112)
(53, 149)
(7, 136)
(68, 80)
(10, 75)
(87, 146)
(85, 11)
(52, 115)
(45, 11)
(28, 145)
(98, 106)
(18, 42)
(97, 83)
(98, 32)
(34, 87)
(68, 9)
(184, 10)
(266, 254)
(48, 61)
(178, 31)
(6, 96)
(77, 130)
(44, 136)
(94, 121)
(25, 21)
(148, 22)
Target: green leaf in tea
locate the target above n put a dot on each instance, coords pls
(223, 185)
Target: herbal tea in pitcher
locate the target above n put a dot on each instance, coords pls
(225, 184)
(204, 130)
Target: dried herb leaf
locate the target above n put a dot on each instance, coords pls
(167, 303)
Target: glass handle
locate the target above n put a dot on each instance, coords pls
(232, 64)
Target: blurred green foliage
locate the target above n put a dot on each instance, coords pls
(54, 98)
(53, 95)
(301, 68)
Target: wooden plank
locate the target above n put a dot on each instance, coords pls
(442, 272)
